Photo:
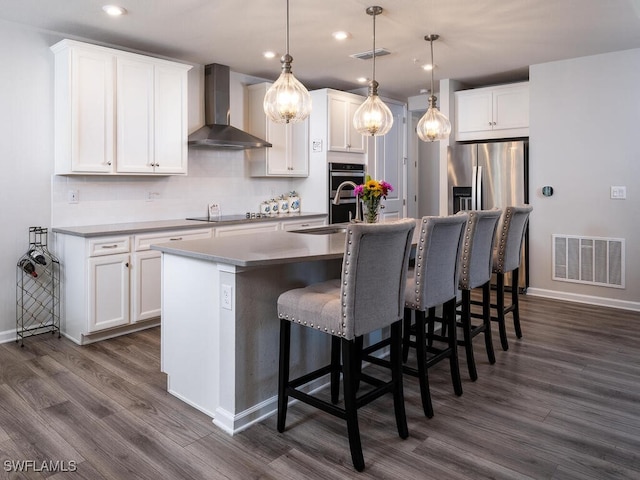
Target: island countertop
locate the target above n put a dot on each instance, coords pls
(271, 248)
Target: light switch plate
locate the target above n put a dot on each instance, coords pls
(618, 192)
(316, 145)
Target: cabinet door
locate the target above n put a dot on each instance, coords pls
(511, 107)
(135, 148)
(278, 135)
(170, 119)
(342, 136)
(474, 111)
(92, 111)
(108, 290)
(355, 140)
(338, 110)
(146, 302)
(298, 149)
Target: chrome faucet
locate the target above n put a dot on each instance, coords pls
(336, 199)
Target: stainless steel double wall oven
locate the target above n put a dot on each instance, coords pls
(339, 173)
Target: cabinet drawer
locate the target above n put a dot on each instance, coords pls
(109, 246)
(143, 242)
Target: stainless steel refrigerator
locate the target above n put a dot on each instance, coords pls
(483, 176)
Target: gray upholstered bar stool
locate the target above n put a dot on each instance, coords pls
(368, 297)
(433, 282)
(506, 258)
(475, 272)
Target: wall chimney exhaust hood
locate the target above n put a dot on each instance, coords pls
(217, 133)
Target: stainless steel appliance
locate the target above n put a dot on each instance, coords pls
(218, 133)
(483, 176)
(339, 173)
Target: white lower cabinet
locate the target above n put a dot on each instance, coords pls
(108, 292)
(147, 273)
(111, 283)
(297, 224)
(243, 229)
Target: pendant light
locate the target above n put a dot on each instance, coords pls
(433, 125)
(287, 100)
(373, 117)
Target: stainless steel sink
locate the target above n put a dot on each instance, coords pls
(323, 230)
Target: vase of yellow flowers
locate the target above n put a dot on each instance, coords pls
(371, 193)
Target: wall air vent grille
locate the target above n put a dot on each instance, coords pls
(590, 260)
(380, 52)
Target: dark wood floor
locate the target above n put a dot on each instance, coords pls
(562, 403)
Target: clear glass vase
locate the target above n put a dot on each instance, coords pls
(370, 212)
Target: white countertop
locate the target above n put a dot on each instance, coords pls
(271, 248)
(152, 226)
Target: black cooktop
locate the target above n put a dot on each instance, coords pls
(226, 218)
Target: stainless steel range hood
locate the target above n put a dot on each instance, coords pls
(217, 133)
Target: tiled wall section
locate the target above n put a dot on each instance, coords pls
(214, 176)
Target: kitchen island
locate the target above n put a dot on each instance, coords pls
(220, 330)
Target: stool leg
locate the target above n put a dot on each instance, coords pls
(421, 357)
(466, 333)
(283, 374)
(349, 376)
(500, 306)
(396, 376)
(450, 321)
(514, 302)
(486, 320)
(335, 369)
(406, 334)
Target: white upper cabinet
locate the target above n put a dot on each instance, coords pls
(289, 155)
(342, 135)
(118, 113)
(492, 112)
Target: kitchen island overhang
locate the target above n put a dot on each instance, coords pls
(220, 331)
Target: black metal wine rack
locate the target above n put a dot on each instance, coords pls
(37, 289)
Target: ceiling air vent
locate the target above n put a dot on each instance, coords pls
(380, 52)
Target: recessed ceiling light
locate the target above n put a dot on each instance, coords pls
(363, 80)
(269, 54)
(428, 67)
(114, 10)
(340, 35)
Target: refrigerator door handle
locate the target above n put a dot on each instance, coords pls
(476, 189)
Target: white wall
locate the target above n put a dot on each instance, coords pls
(585, 120)
(30, 195)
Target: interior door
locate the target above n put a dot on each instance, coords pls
(390, 163)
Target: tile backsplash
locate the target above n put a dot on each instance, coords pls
(214, 176)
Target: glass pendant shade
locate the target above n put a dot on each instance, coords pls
(287, 100)
(433, 125)
(373, 117)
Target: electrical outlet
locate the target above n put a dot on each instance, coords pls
(73, 196)
(227, 297)
(151, 196)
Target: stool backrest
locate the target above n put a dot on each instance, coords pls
(477, 249)
(374, 272)
(438, 253)
(510, 237)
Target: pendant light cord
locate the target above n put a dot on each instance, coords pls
(374, 47)
(433, 67)
(288, 27)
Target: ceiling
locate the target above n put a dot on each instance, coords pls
(481, 41)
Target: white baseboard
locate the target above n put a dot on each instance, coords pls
(588, 299)
(8, 336)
